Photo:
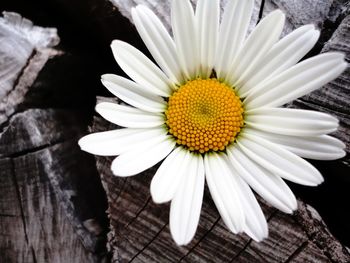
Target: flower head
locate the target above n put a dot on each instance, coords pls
(212, 110)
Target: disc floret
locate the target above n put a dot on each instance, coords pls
(204, 115)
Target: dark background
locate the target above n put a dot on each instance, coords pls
(86, 31)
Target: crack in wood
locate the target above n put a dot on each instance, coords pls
(21, 209)
(8, 215)
(297, 251)
(250, 240)
(201, 239)
(148, 244)
(138, 212)
(36, 149)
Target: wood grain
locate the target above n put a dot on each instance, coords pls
(46, 213)
(140, 231)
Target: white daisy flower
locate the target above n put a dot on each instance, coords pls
(212, 110)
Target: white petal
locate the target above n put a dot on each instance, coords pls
(278, 160)
(132, 93)
(255, 225)
(297, 81)
(129, 117)
(158, 41)
(233, 30)
(322, 147)
(115, 142)
(186, 206)
(169, 175)
(141, 69)
(284, 54)
(147, 154)
(185, 37)
(269, 186)
(259, 42)
(224, 191)
(294, 122)
(207, 19)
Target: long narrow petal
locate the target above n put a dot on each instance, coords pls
(297, 81)
(233, 30)
(284, 54)
(259, 42)
(147, 154)
(129, 117)
(279, 161)
(269, 186)
(115, 142)
(185, 37)
(158, 41)
(169, 175)
(294, 122)
(132, 93)
(255, 222)
(141, 69)
(322, 147)
(207, 20)
(186, 206)
(224, 191)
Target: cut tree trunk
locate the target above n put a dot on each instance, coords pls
(139, 228)
(47, 213)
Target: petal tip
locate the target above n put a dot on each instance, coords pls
(278, 13)
(180, 241)
(82, 142)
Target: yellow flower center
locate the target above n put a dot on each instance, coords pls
(204, 115)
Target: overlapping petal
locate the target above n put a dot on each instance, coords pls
(115, 142)
(129, 117)
(284, 54)
(141, 69)
(255, 222)
(187, 203)
(268, 185)
(294, 122)
(224, 191)
(147, 154)
(158, 41)
(278, 160)
(233, 30)
(266, 33)
(185, 37)
(296, 81)
(321, 147)
(207, 23)
(169, 175)
(132, 93)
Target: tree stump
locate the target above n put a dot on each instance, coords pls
(139, 230)
(47, 213)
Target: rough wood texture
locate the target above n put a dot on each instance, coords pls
(140, 231)
(139, 228)
(46, 211)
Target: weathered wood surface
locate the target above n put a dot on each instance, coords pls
(139, 228)
(47, 212)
